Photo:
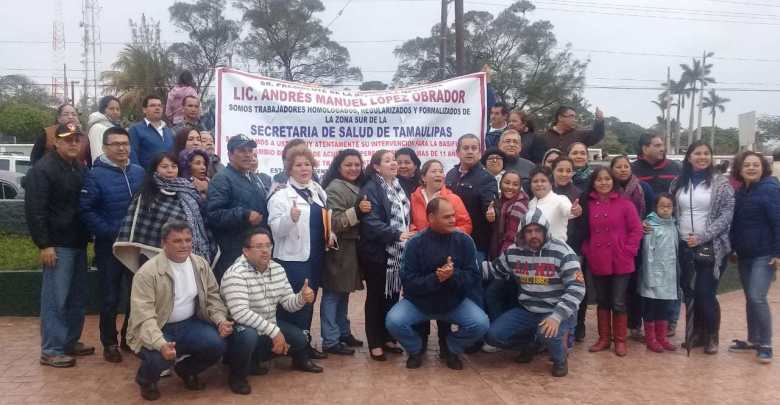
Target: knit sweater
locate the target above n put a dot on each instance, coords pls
(252, 295)
(549, 281)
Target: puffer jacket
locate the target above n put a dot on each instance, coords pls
(51, 203)
(615, 233)
(107, 192)
(98, 124)
(755, 231)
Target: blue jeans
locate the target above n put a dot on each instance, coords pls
(471, 320)
(63, 301)
(112, 277)
(194, 337)
(508, 330)
(500, 296)
(334, 323)
(246, 348)
(757, 275)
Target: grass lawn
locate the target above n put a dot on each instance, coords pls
(20, 253)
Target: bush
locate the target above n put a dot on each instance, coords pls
(25, 121)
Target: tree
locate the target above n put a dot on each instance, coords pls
(19, 88)
(625, 134)
(679, 89)
(715, 103)
(373, 85)
(25, 121)
(287, 41)
(142, 68)
(768, 134)
(694, 75)
(529, 71)
(213, 39)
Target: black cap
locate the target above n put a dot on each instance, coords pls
(240, 141)
(66, 130)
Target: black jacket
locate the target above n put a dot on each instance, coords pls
(51, 203)
(375, 230)
(659, 176)
(477, 189)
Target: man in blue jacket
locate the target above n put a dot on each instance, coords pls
(236, 202)
(108, 189)
(150, 136)
(439, 268)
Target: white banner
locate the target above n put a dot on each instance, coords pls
(427, 118)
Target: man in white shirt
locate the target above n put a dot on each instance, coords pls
(252, 288)
(176, 313)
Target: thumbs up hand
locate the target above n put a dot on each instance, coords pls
(307, 292)
(576, 209)
(490, 214)
(295, 212)
(364, 206)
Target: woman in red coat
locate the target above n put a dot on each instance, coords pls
(612, 231)
(432, 179)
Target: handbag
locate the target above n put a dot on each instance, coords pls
(703, 254)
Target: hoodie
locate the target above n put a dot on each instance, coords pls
(549, 280)
(98, 124)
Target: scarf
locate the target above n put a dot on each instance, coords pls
(189, 199)
(399, 219)
(633, 191)
(582, 174)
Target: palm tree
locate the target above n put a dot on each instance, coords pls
(715, 103)
(695, 74)
(664, 102)
(680, 89)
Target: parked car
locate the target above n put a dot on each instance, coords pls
(16, 163)
(11, 185)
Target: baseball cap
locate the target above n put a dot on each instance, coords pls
(240, 141)
(66, 130)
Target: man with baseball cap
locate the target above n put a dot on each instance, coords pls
(236, 201)
(53, 186)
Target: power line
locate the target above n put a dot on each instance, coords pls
(338, 14)
(745, 3)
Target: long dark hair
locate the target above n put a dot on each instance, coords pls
(185, 79)
(149, 188)
(584, 225)
(334, 170)
(413, 157)
(180, 139)
(687, 168)
(376, 159)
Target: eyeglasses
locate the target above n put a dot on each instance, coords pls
(263, 246)
(118, 144)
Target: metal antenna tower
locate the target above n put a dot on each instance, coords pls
(90, 15)
(59, 86)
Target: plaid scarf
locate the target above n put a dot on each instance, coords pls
(399, 219)
(633, 191)
(582, 174)
(190, 201)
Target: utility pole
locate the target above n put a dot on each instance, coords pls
(65, 83)
(443, 40)
(73, 92)
(460, 56)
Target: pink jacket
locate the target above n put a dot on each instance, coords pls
(614, 237)
(174, 109)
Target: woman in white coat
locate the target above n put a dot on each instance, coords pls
(298, 217)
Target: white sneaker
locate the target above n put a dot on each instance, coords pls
(490, 349)
(166, 373)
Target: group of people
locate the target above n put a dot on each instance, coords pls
(502, 250)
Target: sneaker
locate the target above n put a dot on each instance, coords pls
(672, 329)
(764, 355)
(166, 373)
(741, 346)
(58, 361)
(636, 334)
(80, 349)
(490, 349)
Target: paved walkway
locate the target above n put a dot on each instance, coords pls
(602, 378)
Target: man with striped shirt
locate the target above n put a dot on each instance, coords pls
(252, 288)
(550, 289)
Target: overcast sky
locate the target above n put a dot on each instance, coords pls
(612, 34)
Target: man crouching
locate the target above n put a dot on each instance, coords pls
(253, 287)
(550, 289)
(176, 312)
